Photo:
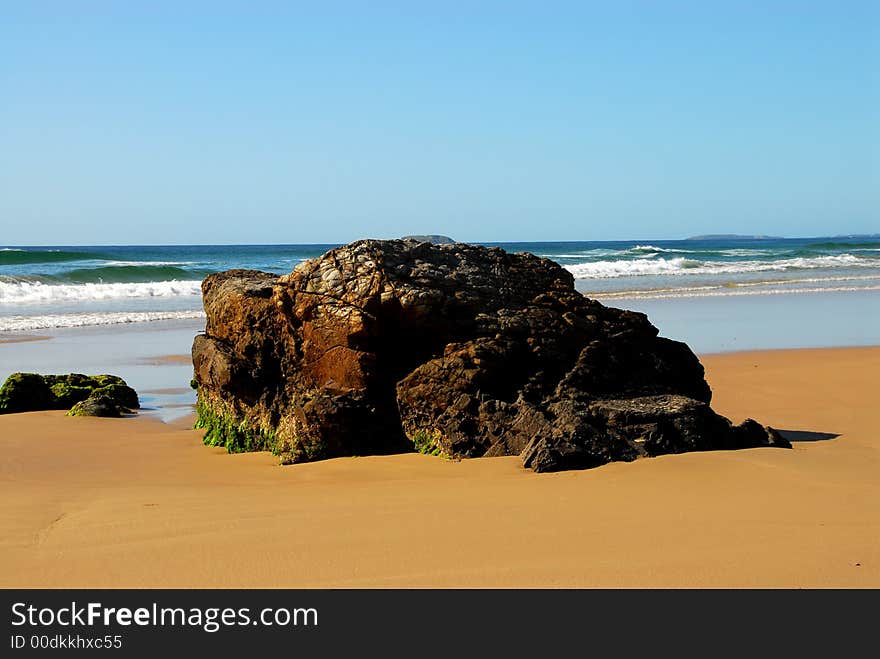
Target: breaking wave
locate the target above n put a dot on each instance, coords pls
(126, 273)
(686, 266)
(15, 291)
(56, 321)
(16, 256)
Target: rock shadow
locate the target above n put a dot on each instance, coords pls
(806, 435)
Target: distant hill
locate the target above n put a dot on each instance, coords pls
(732, 236)
(430, 238)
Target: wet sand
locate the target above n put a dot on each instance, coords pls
(151, 357)
(137, 502)
(22, 338)
(160, 360)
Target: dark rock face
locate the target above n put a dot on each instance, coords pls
(458, 350)
(626, 429)
(27, 392)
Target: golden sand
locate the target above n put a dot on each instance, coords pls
(135, 502)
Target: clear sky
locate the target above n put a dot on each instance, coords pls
(248, 122)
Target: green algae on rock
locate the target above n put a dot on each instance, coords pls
(25, 392)
(29, 392)
(223, 429)
(120, 393)
(428, 442)
(98, 404)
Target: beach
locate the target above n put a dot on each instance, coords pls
(138, 502)
(786, 331)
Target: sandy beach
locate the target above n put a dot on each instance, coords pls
(142, 503)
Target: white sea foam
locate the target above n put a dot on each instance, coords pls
(57, 321)
(148, 263)
(653, 249)
(732, 292)
(746, 252)
(756, 287)
(580, 255)
(684, 266)
(30, 292)
(648, 248)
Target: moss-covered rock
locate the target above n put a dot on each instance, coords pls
(27, 392)
(97, 404)
(24, 392)
(106, 380)
(122, 395)
(67, 395)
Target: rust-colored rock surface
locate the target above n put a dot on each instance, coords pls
(455, 349)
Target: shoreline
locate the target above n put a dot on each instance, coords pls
(22, 338)
(746, 351)
(136, 502)
(708, 325)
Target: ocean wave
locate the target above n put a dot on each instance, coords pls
(778, 283)
(832, 245)
(29, 292)
(128, 274)
(14, 256)
(746, 252)
(149, 263)
(579, 255)
(639, 251)
(685, 266)
(649, 250)
(653, 249)
(731, 292)
(58, 321)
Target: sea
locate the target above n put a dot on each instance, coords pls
(61, 286)
(133, 310)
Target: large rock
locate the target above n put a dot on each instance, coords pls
(456, 350)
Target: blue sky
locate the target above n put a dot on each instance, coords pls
(265, 122)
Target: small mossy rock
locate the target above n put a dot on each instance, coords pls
(122, 394)
(97, 405)
(27, 392)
